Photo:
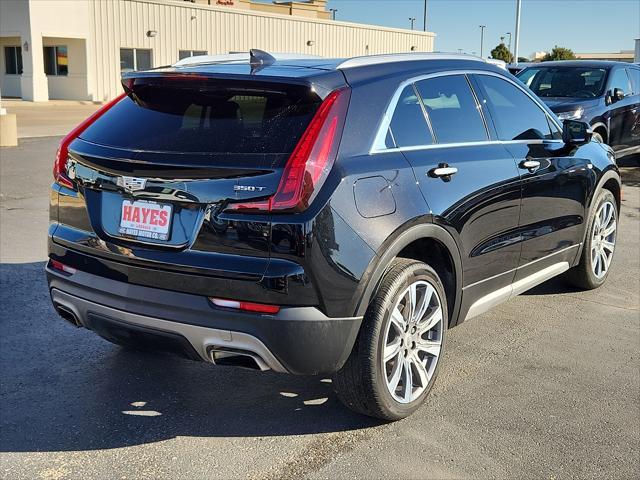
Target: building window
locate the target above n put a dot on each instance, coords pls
(13, 60)
(56, 61)
(135, 59)
(190, 53)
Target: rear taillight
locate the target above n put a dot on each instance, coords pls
(59, 167)
(246, 306)
(61, 267)
(311, 160)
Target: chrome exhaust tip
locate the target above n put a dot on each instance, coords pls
(235, 357)
(67, 314)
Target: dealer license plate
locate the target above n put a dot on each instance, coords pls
(141, 218)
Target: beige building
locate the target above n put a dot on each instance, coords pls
(77, 49)
(309, 9)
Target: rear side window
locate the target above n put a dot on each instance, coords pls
(408, 126)
(207, 116)
(515, 115)
(452, 109)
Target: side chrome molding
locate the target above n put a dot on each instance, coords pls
(505, 293)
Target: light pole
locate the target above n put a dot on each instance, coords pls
(509, 33)
(517, 42)
(482, 27)
(424, 23)
(333, 13)
(412, 20)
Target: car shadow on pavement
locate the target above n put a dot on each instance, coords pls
(65, 388)
(554, 286)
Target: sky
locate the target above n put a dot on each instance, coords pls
(584, 26)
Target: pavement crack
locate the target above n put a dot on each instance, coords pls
(633, 309)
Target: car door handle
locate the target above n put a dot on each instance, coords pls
(443, 171)
(531, 165)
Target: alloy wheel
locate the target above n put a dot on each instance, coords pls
(603, 239)
(412, 342)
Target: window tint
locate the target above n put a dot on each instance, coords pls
(13, 60)
(143, 59)
(515, 115)
(452, 109)
(190, 116)
(408, 126)
(182, 54)
(570, 82)
(134, 59)
(56, 60)
(619, 79)
(634, 75)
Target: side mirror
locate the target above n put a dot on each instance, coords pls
(576, 133)
(618, 94)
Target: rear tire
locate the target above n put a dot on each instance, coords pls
(396, 357)
(599, 244)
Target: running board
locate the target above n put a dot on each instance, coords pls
(505, 293)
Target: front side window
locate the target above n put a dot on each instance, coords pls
(13, 60)
(135, 59)
(634, 75)
(452, 109)
(619, 79)
(408, 126)
(182, 54)
(56, 60)
(515, 115)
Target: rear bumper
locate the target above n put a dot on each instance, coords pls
(298, 340)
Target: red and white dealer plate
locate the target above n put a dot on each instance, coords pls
(141, 218)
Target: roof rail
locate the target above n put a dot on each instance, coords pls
(237, 58)
(403, 57)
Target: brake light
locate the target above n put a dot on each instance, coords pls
(246, 306)
(310, 162)
(59, 166)
(56, 265)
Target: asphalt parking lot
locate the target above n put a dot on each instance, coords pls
(545, 386)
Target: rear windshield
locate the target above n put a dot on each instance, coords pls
(206, 116)
(573, 82)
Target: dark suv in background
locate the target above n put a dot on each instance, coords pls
(322, 216)
(606, 95)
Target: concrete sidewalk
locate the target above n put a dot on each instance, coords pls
(48, 119)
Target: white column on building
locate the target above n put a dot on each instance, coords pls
(33, 82)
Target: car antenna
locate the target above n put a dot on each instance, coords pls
(259, 59)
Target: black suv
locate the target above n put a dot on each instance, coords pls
(322, 216)
(606, 95)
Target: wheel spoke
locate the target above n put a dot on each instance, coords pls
(421, 369)
(431, 321)
(598, 266)
(392, 350)
(411, 304)
(610, 229)
(396, 374)
(408, 380)
(398, 320)
(608, 213)
(605, 261)
(608, 246)
(425, 301)
(603, 215)
(432, 347)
